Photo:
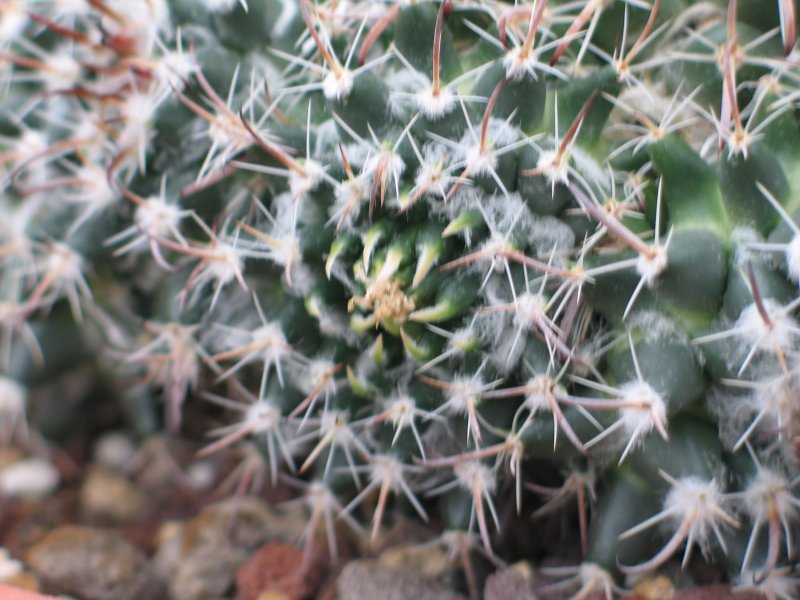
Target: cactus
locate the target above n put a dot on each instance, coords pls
(425, 257)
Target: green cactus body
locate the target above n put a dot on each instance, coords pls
(415, 250)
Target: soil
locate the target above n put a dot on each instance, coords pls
(158, 524)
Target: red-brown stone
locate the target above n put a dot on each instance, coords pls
(278, 567)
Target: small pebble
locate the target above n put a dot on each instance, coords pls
(277, 568)
(106, 495)
(430, 560)
(28, 479)
(655, 588)
(9, 567)
(92, 564)
(114, 451)
(12, 572)
(24, 581)
(198, 559)
(273, 596)
(512, 583)
(361, 579)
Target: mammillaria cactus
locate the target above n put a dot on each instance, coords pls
(426, 257)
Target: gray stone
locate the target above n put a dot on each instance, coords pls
(513, 583)
(362, 579)
(198, 559)
(106, 495)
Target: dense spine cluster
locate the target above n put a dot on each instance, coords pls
(427, 256)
